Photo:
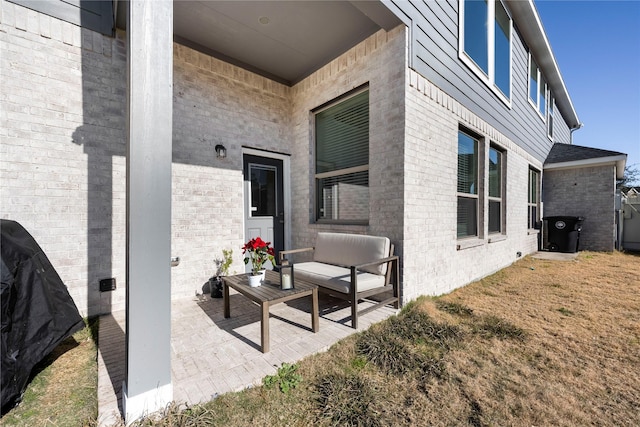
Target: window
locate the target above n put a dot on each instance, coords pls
(467, 185)
(533, 81)
(342, 160)
(476, 36)
(486, 48)
(496, 205)
(263, 190)
(537, 88)
(534, 198)
(552, 108)
(502, 49)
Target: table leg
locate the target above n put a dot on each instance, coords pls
(225, 294)
(315, 321)
(264, 327)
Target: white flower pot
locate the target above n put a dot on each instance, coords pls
(255, 281)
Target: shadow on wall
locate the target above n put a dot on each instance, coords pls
(103, 136)
(103, 139)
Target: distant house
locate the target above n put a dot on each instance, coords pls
(427, 122)
(581, 181)
(629, 220)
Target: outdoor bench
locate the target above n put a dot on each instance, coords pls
(352, 267)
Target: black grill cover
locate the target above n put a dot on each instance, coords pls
(37, 310)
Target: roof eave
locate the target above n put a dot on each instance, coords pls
(528, 22)
(620, 162)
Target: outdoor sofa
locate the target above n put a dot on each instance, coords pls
(352, 267)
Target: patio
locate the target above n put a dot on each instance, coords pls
(211, 355)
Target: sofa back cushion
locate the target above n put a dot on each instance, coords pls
(352, 249)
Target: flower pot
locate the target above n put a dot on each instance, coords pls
(215, 285)
(257, 280)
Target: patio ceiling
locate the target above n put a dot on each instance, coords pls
(283, 40)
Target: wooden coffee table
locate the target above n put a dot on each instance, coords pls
(270, 294)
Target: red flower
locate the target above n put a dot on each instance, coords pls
(259, 253)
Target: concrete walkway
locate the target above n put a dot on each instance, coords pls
(211, 355)
(555, 256)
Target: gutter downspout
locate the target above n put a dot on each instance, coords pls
(572, 130)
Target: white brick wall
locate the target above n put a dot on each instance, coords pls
(62, 164)
(63, 150)
(380, 62)
(216, 103)
(432, 263)
(61, 158)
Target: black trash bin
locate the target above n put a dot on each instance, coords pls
(563, 233)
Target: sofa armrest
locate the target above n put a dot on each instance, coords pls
(354, 273)
(393, 258)
(293, 251)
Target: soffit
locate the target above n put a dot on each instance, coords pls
(283, 40)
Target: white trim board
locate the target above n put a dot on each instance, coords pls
(619, 161)
(136, 407)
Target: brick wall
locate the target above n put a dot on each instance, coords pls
(62, 162)
(433, 264)
(63, 152)
(216, 103)
(64, 147)
(588, 192)
(379, 62)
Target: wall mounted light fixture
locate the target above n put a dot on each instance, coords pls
(221, 152)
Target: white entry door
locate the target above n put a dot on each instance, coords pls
(264, 201)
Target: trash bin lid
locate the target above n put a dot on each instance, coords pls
(564, 221)
(565, 218)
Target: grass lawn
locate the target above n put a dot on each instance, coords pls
(63, 390)
(539, 343)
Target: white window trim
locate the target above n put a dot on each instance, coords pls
(538, 202)
(551, 111)
(503, 190)
(488, 80)
(536, 103)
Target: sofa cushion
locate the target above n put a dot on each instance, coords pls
(335, 277)
(352, 249)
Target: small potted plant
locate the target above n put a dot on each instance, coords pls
(258, 252)
(215, 283)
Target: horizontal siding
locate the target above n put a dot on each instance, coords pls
(96, 15)
(434, 45)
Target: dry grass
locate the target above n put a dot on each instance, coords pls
(578, 362)
(63, 390)
(539, 343)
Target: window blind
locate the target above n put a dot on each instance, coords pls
(342, 135)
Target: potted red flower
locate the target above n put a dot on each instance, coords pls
(258, 252)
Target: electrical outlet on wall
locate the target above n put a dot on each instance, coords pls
(107, 285)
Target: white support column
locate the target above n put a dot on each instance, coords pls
(147, 386)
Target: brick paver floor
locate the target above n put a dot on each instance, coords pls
(211, 355)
